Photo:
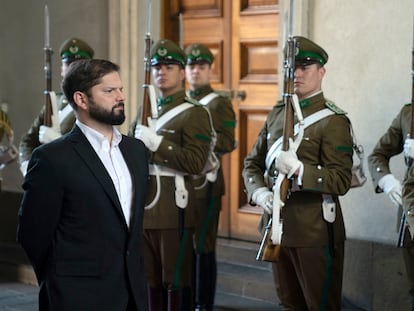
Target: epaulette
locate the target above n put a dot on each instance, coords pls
(225, 94)
(192, 101)
(279, 104)
(331, 105)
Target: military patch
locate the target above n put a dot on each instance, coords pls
(334, 107)
(229, 123)
(202, 137)
(344, 148)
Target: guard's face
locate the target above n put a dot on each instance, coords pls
(106, 100)
(198, 75)
(168, 78)
(308, 80)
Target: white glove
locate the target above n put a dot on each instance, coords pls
(409, 148)
(392, 187)
(48, 134)
(148, 136)
(287, 161)
(23, 167)
(264, 198)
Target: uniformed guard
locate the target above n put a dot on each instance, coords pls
(392, 143)
(71, 50)
(308, 274)
(180, 141)
(198, 74)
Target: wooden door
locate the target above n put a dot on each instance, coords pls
(243, 36)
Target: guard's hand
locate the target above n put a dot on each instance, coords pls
(392, 187)
(148, 136)
(409, 148)
(23, 167)
(264, 198)
(48, 134)
(287, 162)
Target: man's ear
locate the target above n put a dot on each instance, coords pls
(80, 100)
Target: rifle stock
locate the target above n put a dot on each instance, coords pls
(48, 77)
(269, 251)
(47, 118)
(146, 101)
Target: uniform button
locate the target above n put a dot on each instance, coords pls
(378, 169)
(318, 167)
(251, 180)
(319, 180)
(170, 148)
(127, 253)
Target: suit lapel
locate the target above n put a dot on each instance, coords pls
(132, 167)
(91, 159)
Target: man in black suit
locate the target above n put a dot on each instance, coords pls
(84, 196)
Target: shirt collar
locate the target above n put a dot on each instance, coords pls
(98, 140)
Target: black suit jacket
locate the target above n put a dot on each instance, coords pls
(73, 229)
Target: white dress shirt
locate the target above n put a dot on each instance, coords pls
(114, 163)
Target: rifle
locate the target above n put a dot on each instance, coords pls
(269, 251)
(48, 72)
(408, 162)
(146, 101)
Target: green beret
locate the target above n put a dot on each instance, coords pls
(73, 49)
(198, 53)
(309, 52)
(167, 52)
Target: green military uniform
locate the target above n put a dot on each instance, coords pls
(30, 140)
(168, 228)
(209, 205)
(389, 145)
(70, 50)
(308, 274)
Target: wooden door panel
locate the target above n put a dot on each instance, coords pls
(243, 36)
(259, 60)
(202, 8)
(255, 70)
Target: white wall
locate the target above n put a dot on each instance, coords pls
(369, 75)
(22, 40)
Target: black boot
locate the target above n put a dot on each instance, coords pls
(187, 301)
(205, 281)
(212, 273)
(175, 299)
(180, 299)
(155, 299)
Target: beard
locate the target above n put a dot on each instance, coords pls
(112, 117)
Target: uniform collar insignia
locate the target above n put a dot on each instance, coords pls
(304, 103)
(195, 93)
(164, 101)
